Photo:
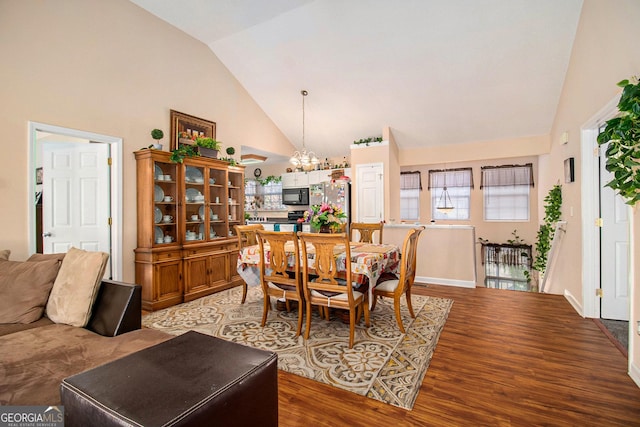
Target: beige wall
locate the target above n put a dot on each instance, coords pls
(107, 67)
(605, 51)
(479, 150)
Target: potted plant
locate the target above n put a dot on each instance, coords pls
(230, 152)
(157, 134)
(207, 147)
(623, 135)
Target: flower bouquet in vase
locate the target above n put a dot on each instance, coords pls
(325, 218)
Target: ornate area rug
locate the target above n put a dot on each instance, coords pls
(383, 364)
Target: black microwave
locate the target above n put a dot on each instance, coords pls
(295, 196)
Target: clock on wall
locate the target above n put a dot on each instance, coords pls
(257, 172)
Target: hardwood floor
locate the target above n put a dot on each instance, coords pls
(504, 358)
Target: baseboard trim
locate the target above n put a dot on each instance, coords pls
(574, 302)
(634, 373)
(446, 282)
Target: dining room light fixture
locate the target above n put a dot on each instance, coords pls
(304, 159)
(445, 205)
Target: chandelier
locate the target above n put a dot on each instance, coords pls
(304, 159)
(444, 203)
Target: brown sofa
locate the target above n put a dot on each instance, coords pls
(101, 371)
(37, 354)
(34, 361)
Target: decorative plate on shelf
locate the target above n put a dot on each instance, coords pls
(192, 196)
(159, 233)
(158, 194)
(201, 212)
(193, 174)
(212, 232)
(157, 171)
(157, 214)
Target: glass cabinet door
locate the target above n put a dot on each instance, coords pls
(235, 200)
(217, 203)
(195, 204)
(165, 204)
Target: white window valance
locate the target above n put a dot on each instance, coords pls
(461, 177)
(507, 175)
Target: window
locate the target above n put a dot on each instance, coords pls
(250, 193)
(410, 186)
(506, 192)
(263, 197)
(458, 184)
(273, 196)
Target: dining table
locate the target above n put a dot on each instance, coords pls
(368, 261)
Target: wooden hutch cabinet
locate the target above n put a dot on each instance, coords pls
(186, 212)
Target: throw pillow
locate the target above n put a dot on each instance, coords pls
(4, 254)
(46, 257)
(76, 287)
(24, 289)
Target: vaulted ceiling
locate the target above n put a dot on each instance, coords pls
(435, 71)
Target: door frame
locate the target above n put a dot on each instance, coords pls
(590, 195)
(116, 182)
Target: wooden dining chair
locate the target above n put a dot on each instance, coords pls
(396, 287)
(246, 237)
(282, 280)
(366, 231)
(325, 289)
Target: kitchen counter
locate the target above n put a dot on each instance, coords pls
(282, 224)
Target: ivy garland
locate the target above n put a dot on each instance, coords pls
(368, 140)
(553, 203)
(268, 180)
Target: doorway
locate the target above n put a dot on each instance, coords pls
(606, 232)
(370, 192)
(60, 139)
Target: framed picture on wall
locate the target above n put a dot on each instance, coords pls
(569, 170)
(186, 128)
(39, 174)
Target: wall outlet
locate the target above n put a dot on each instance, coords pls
(638, 327)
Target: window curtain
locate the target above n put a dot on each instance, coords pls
(410, 181)
(461, 177)
(507, 175)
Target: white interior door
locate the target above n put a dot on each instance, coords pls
(370, 192)
(75, 198)
(614, 250)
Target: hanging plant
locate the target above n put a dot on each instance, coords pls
(553, 203)
(623, 135)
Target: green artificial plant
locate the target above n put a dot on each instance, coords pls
(207, 142)
(185, 150)
(623, 135)
(553, 204)
(366, 141)
(157, 134)
(269, 179)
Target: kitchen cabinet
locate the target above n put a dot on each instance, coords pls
(295, 180)
(305, 179)
(185, 218)
(316, 177)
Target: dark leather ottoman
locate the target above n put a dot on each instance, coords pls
(191, 380)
